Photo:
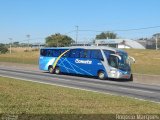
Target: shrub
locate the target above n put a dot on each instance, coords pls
(3, 49)
(36, 49)
(26, 50)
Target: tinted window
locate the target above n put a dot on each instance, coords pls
(96, 54)
(56, 53)
(107, 53)
(52, 52)
(62, 51)
(113, 61)
(49, 53)
(43, 52)
(75, 53)
(66, 54)
(84, 53)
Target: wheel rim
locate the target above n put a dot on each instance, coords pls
(51, 70)
(101, 75)
(57, 71)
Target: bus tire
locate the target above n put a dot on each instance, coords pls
(57, 70)
(131, 78)
(50, 69)
(101, 75)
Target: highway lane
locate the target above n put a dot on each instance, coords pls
(135, 90)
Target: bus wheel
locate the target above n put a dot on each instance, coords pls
(57, 70)
(101, 75)
(131, 78)
(50, 69)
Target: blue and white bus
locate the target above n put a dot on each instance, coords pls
(103, 62)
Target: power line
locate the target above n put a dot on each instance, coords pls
(70, 32)
(26, 40)
(152, 27)
(118, 30)
(90, 30)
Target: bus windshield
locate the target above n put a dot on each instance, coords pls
(123, 62)
(124, 58)
(113, 61)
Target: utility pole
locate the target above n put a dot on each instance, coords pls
(156, 43)
(76, 34)
(156, 37)
(10, 45)
(28, 36)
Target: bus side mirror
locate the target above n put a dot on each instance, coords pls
(131, 59)
(114, 61)
(119, 57)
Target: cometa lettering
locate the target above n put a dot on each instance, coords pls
(83, 61)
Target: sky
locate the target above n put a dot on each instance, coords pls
(41, 18)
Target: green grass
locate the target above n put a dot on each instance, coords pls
(147, 61)
(30, 57)
(22, 97)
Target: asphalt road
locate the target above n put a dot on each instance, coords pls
(122, 88)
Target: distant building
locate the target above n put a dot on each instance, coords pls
(82, 43)
(149, 43)
(119, 43)
(143, 42)
(38, 45)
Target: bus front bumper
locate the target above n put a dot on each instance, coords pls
(120, 75)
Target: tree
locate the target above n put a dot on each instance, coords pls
(3, 49)
(58, 40)
(106, 35)
(15, 44)
(157, 35)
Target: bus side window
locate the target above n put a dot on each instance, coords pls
(62, 51)
(56, 53)
(96, 54)
(93, 54)
(107, 53)
(49, 53)
(66, 54)
(75, 53)
(113, 61)
(43, 52)
(81, 54)
(84, 53)
(99, 55)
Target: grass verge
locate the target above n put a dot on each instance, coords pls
(22, 97)
(147, 61)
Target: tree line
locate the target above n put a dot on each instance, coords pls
(56, 40)
(60, 40)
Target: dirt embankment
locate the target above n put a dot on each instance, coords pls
(147, 79)
(19, 65)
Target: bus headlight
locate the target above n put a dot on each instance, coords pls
(119, 74)
(113, 71)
